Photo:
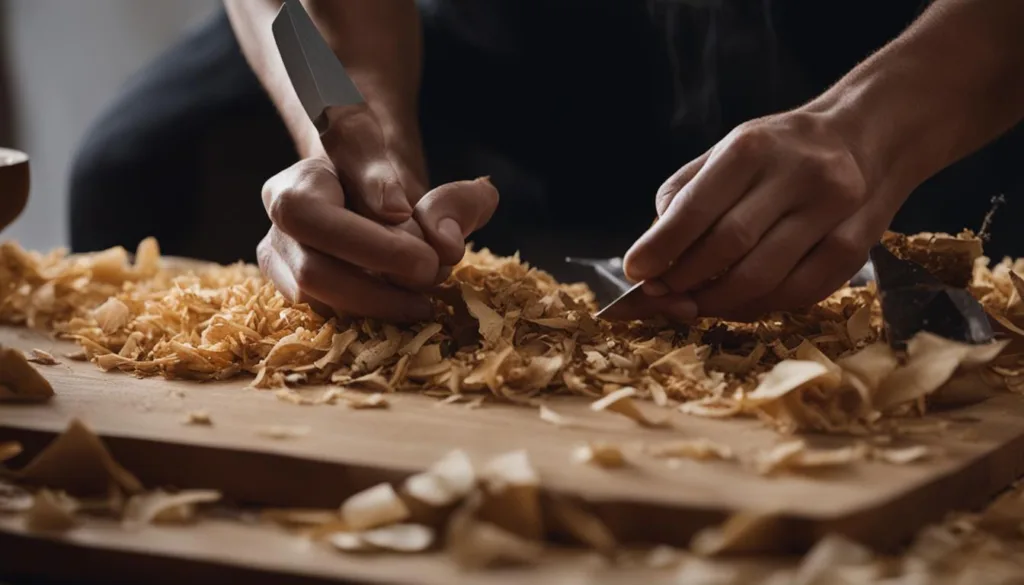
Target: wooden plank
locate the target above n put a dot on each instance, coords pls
(347, 450)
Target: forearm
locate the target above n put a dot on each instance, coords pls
(378, 42)
(951, 83)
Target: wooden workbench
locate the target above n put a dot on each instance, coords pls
(345, 450)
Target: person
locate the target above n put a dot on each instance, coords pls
(776, 140)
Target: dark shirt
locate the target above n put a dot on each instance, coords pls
(606, 98)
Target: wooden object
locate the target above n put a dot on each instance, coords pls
(981, 452)
(14, 185)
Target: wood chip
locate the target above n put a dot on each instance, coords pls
(198, 418)
(600, 454)
(620, 402)
(283, 432)
(41, 357)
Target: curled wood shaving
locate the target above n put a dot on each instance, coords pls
(43, 358)
(373, 507)
(78, 463)
(19, 381)
(447, 481)
(511, 495)
(478, 544)
(600, 454)
(700, 449)
(159, 507)
(620, 402)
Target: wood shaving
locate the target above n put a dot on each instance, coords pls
(600, 454)
(198, 418)
(903, 456)
(559, 420)
(19, 381)
(9, 450)
(373, 507)
(43, 358)
(51, 512)
(476, 544)
(445, 482)
(700, 449)
(620, 402)
(283, 432)
(407, 538)
(581, 524)
(159, 507)
(78, 463)
(514, 334)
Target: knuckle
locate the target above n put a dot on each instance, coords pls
(750, 140)
(844, 248)
(735, 237)
(285, 207)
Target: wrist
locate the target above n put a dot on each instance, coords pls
(879, 125)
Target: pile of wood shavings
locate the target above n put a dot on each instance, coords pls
(509, 332)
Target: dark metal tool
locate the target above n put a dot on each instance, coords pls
(914, 300)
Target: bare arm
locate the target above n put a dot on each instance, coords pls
(948, 85)
(378, 42)
(354, 209)
(784, 209)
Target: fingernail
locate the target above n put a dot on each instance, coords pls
(655, 288)
(450, 232)
(394, 199)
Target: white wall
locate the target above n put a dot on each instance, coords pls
(67, 59)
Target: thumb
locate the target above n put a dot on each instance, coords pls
(449, 213)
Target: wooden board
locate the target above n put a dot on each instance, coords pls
(347, 450)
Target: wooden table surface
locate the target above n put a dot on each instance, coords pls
(346, 450)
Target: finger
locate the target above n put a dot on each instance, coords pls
(676, 307)
(302, 202)
(379, 184)
(729, 240)
(766, 266)
(340, 286)
(451, 212)
(714, 189)
(829, 265)
(274, 269)
(677, 181)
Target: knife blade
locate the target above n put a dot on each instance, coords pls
(631, 292)
(610, 275)
(319, 78)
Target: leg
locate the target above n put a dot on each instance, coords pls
(181, 155)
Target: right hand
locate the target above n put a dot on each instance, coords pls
(353, 234)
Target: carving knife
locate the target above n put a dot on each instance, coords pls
(319, 78)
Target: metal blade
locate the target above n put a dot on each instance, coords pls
(633, 290)
(319, 78)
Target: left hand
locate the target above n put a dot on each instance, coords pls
(778, 215)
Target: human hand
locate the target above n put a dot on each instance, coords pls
(320, 252)
(777, 215)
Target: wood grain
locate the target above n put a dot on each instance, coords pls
(347, 450)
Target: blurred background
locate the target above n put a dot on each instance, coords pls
(61, 61)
